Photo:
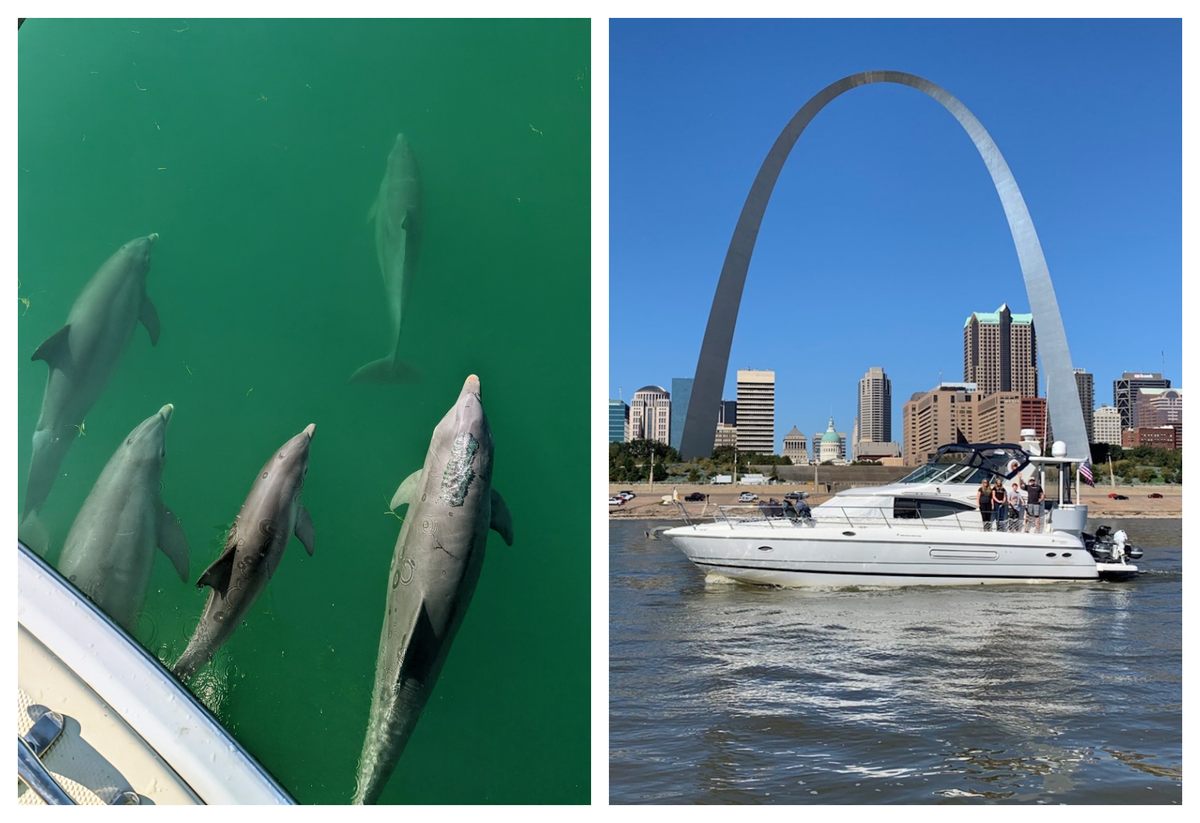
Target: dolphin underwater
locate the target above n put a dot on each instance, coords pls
(82, 356)
(435, 566)
(264, 525)
(109, 551)
(396, 212)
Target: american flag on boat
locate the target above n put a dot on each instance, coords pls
(1085, 473)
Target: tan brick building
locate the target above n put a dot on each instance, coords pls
(944, 414)
(1156, 437)
(959, 411)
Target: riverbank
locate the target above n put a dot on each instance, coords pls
(648, 503)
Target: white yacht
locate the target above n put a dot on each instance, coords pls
(925, 529)
(101, 722)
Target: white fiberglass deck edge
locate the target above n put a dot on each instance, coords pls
(139, 689)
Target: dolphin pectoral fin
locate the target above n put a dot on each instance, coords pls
(173, 541)
(149, 318)
(501, 518)
(374, 209)
(217, 575)
(55, 349)
(34, 534)
(407, 490)
(304, 530)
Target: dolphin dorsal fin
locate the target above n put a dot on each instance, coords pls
(407, 490)
(217, 575)
(55, 349)
(172, 540)
(304, 530)
(501, 518)
(149, 317)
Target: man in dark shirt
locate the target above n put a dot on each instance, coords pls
(1033, 509)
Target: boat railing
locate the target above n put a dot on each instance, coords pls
(861, 516)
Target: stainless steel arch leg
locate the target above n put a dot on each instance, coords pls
(1061, 395)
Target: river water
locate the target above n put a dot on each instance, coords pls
(254, 148)
(723, 693)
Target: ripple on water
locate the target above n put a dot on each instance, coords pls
(1031, 694)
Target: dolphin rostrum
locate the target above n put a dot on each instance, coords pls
(264, 525)
(435, 565)
(396, 212)
(82, 356)
(110, 549)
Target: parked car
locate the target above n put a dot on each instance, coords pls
(626, 495)
(696, 496)
(794, 496)
(747, 497)
(1154, 494)
(1116, 496)
(616, 500)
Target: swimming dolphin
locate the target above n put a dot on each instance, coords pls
(396, 212)
(110, 549)
(435, 565)
(264, 525)
(82, 356)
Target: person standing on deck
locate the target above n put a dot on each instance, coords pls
(1016, 502)
(1033, 510)
(983, 498)
(999, 506)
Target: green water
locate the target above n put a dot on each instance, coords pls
(255, 151)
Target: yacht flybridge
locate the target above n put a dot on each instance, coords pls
(925, 529)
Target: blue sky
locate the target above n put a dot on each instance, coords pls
(884, 231)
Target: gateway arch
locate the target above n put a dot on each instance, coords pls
(1062, 397)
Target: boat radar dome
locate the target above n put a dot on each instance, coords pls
(1059, 449)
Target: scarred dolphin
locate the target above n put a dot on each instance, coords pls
(396, 212)
(109, 551)
(435, 565)
(82, 356)
(264, 525)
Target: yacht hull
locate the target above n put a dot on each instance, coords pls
(797, 555)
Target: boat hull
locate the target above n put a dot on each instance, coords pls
(788, 555)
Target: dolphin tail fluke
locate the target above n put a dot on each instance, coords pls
(33, 533)
(389, 369)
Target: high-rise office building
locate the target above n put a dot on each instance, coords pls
(726, 434)
(795, 447)
(874, 424)
(681, 393)
(942, 415)
(1160, 407)
(1001, 416)
(874, 408)
(1107, 425)
(1087, 400)
(1125, 391)
(650, 414)
(1000, 352)
(756, 411)
(618, 420)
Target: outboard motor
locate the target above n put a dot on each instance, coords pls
(1106, 545)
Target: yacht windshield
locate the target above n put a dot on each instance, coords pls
(970, 463)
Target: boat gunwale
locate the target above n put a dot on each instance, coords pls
(127, 677)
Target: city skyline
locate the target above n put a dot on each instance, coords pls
(939, 249)
(784, 425)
